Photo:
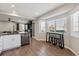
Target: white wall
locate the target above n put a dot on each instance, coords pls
(72, 42)
(7, 26)
(36, 29)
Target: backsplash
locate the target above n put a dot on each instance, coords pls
(6, 26)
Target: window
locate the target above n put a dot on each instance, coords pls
(74, 23)
(26, 28)
(60, 25)
(22, 27)
(42, 26)
(51, 25)
(56, 25)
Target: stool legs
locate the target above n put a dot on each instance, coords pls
(49, 39)
(54, 41)
(59, 41)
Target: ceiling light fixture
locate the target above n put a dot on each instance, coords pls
(12, 5)
(36, 13)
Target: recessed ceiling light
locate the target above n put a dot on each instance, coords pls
(36, 13)
(12, 5)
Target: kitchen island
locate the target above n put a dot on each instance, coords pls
(10, 41)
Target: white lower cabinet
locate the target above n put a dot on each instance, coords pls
(17, 41)
(11, 41)
(0, 45)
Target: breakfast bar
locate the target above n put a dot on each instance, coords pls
(56, 38)
(13, 40)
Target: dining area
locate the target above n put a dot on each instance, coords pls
(55, 30)
(55, 38)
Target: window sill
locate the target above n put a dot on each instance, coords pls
(76, 35)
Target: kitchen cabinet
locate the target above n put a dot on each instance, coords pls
(11, 41)
(17, 40)
(0, 45)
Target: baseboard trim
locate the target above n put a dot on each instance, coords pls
(71, 50)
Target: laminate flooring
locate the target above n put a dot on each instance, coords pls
(38, 48)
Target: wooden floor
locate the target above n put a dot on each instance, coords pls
(38, 48)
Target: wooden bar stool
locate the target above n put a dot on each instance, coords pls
(51, 35)
(61, 42)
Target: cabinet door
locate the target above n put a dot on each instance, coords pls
(11, 41)
(0, 44)
(7, 42)
(17, 40)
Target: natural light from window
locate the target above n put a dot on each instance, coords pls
(75, 24)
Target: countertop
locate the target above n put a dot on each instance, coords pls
(56, 32)
(2, 34)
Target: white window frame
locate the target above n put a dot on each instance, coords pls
(73, 17)
(42, 27)
(55, 21)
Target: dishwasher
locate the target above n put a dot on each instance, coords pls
(25, 39)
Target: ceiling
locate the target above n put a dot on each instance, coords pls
(5, 18)
(28, 10)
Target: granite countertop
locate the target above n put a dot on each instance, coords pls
(1, 34)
